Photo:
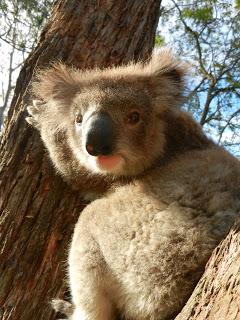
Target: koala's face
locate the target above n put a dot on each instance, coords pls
(115, 129)
(113, 117)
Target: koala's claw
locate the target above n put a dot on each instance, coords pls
(32, 122)
(37, 103)
(34, 112)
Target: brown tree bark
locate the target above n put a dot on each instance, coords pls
(37, 209)
(217, 295)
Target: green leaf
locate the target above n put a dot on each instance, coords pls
(237, 4)
(159, 40)
(199, 15)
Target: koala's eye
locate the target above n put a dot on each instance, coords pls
(78, 118)
(133, 117)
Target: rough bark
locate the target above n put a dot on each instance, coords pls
(217, 295)
(37, 209)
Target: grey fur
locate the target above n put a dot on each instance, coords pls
(172, 194)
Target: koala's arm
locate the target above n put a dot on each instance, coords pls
(43, 118)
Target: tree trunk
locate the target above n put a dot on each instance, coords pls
(37, 209)
(217, 295)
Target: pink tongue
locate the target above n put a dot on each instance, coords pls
(108, 161)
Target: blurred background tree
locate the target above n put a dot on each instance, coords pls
(20, 26)
(207, 33)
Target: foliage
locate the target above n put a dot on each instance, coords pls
(25, 18)
(207, 33)
(159, 40)
(198, 15)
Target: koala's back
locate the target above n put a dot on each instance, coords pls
(156, 234)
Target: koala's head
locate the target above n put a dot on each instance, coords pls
(113, 117)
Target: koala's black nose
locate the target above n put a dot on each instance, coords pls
(100, 136)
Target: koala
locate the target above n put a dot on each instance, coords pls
(171, 194)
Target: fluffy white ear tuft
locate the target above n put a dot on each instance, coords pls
(57, 82)
(167, 76)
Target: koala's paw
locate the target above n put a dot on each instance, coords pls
(63, 307)
(34, 112)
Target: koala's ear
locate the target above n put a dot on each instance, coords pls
(167, 78)
(57, 82)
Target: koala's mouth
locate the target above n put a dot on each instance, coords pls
(109, 163)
